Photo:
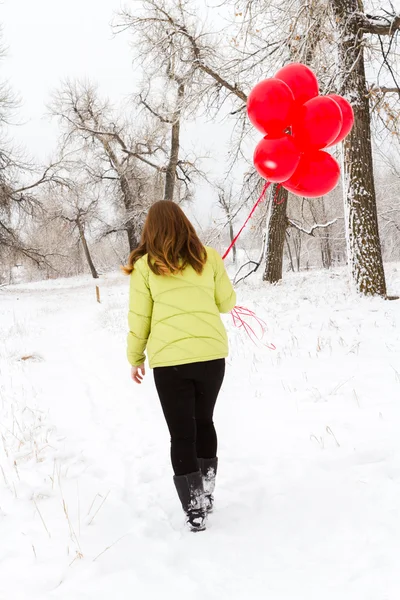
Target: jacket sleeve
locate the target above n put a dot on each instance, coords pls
(225, 295)
(139, 316)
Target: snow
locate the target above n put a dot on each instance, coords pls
(307, 498)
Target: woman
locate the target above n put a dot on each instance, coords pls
(178, 289)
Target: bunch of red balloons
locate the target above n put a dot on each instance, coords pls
(298, 124)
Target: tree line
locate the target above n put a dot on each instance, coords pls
(111, 164)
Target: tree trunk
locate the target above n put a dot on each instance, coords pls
(363, 244)
(326, 249)
(232, 237)
(86, 249)
(132, 236)
(320, 216)
(277, 224)
(170, 174)
(326, 252)
(289, 250)
(297, 248)
(131, 224)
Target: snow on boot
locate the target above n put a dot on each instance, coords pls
(208, 468)
(191, 494)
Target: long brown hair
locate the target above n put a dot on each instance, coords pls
(170, 241)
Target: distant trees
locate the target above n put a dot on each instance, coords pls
(105, 147)
(20, 204)
(78, 206)
(114, 162)
(21, 182)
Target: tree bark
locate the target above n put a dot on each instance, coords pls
(170, 174)
(86, 249)
(363, 244)
(277, 225)
(131, 224)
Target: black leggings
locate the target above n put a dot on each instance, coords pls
(188, 394)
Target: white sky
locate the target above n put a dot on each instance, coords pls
(50, 40)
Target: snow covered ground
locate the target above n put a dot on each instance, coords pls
(308, 497)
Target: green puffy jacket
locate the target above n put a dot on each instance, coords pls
(177, 316)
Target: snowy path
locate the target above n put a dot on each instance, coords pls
(308, 498)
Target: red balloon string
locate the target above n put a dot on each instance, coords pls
(260, 199)
(239, 313)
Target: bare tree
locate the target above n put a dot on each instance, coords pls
(78, 206)
(20, 204)
(20, 181)
(171, 170)
(161, 54)
(92, 128)
(176, 168)
(387, 184)
(317, 209)
(364, 248)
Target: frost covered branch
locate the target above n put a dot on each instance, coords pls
(379, 25)
(387, 90)
(313, 228)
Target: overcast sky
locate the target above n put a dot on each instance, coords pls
(50, 40)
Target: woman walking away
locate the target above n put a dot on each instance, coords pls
(178, 288)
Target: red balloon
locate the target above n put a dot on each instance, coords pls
(347, 115)
(301, 80)
(269, 106)
(317, 174)
(317, 124)
(276, 159)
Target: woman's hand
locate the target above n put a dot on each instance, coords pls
(137, 373)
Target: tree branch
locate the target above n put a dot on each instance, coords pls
(145, 160)
(379, 25)
(386, 90)
(313, 228)
(154, 113)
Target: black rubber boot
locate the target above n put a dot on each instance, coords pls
(191, 494)
(209, 468)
